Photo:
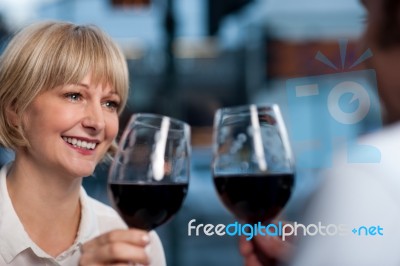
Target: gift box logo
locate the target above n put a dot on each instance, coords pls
(329, 111)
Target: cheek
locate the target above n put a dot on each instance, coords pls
(34, 122)
(112, 124)
(38, 123)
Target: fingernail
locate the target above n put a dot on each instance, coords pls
(146, 238)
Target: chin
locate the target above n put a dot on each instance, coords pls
(82, 170)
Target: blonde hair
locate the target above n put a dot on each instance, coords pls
(49, 54)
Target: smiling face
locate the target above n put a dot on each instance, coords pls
(70, 128)
(46, 56)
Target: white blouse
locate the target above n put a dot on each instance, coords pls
(16, 247)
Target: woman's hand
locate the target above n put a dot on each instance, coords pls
(118, 247)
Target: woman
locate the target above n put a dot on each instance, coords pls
(62, 89)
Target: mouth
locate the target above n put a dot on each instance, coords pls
(80, 143)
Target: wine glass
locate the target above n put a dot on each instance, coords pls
(252, 166)
(149, 176)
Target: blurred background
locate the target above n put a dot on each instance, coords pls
(189, 57)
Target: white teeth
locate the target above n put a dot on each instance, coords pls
(81, 144)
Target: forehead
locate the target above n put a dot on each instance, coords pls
(88, 83)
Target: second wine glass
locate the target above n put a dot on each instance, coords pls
(252, 165)
(149, 176)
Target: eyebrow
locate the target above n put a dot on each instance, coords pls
(83, 85)
(87, 87)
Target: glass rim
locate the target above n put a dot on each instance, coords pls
(239, 108)
(225, 112)
(175, 121)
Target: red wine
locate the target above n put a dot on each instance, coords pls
(255, 198)
(147, 206)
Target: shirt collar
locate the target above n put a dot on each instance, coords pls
(88, 226)
(14, 238)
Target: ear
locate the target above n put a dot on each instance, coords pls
(11, 114)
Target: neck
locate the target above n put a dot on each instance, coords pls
(47, 205)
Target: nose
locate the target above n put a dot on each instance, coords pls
(94, 117)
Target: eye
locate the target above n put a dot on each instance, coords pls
(73, 96)
(112, 105)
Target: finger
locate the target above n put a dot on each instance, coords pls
(252, 261)
(245, 246)
(274, 247)
(132, 236)
(119, 252)
(123, 264)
